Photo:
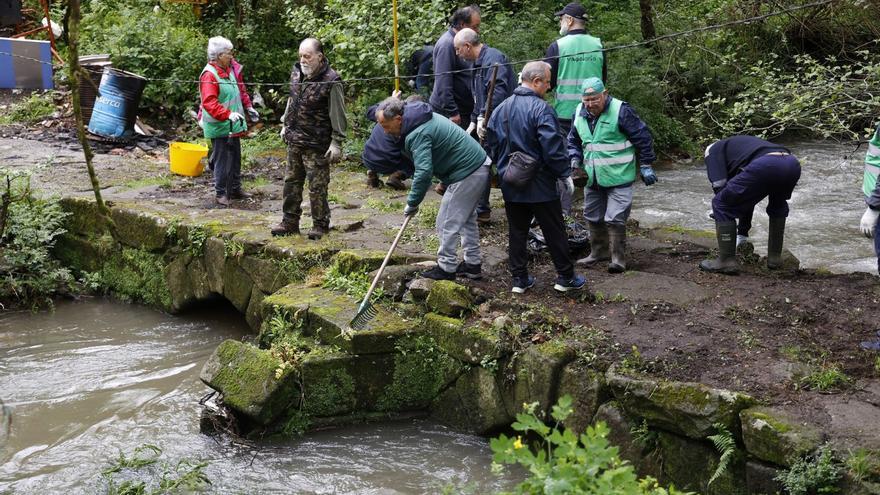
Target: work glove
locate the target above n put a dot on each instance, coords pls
(710, 214)
(648, 176)
(481, 127)
(253, 114)
(576, 164)
(470, 128)
(409, 211)
(235, 117)
(569, 185)
(741, 239)
(334, 152)
(869, 222)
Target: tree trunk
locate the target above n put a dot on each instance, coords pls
(647, 11)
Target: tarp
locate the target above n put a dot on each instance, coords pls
(25, 64)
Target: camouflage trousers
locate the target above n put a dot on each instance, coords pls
(302, 164)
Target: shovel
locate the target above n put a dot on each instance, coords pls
(366, 311)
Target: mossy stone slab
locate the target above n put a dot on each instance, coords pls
(178, 282)
(472, 344)
(473, 404)
(237, 285)
(690, 409)
(84, 216)
(588, 390)
(536, 372)
(139, 229)
(641, 452)
(690, 464)
(449, 298)
(83, 253)
(327, 315)
(773, 435)
(248, 379)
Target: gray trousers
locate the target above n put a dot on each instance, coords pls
(457, 220)
(608, 204)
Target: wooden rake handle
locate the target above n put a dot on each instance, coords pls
(387, 258)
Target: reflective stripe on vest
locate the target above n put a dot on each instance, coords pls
(580, 57)
(230, 98)
(609, 156)
(872, 164)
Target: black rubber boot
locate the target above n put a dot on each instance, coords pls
(598, 245)
(726, 262)
(774, 243)
(617, 233)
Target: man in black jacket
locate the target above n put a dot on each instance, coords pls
(525, 122)
(451, 96)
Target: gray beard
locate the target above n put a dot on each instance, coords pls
(307, 70)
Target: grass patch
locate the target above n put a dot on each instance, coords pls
(36, 107)
(255, 183)
(264, 142)
(384, 205)
(164, 181)
(828, 377)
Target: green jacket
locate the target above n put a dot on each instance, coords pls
(609, 156)
(872, 164)
(230, 98)
(439, 147)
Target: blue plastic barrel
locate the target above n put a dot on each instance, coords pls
(115, 111)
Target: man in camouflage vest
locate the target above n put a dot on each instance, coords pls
(314, 126)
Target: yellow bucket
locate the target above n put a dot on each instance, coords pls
(186, 158)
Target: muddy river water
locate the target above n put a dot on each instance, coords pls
(822, 229)
(95, 378)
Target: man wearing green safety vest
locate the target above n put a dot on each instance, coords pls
(872, 194)
(573, 58)
(606, 141)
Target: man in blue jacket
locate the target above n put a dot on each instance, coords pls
(469, 47)
(451, 96)
(525, 122)
(439, 147)
(743, 170)
(382, 153)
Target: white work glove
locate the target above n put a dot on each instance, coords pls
(710, 214)
(253, 114)
(409, 211)
(869, 222)
(334, 152)
(569, 185)
(235, 117)
(741, 239)
(481, 128)
(470, 128)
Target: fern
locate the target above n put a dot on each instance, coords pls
(726, 446)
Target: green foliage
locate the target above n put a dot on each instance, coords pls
(828, 377)
(384, 206)
(233, 248)
(817, 474)
(260, 144)
(645, 437)
(134, 275)
(144, 474)
(354, 284)
(725, 444)
(29, 228)
(863, 465)
(198, 236)
(564, 462)
(421, 370)
(427, 216)
(35, 107)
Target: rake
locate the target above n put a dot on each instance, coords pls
(366, 311)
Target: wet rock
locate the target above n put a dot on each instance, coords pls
(690, 409)
(140, 230)
(265, 273)
(215, 263)
(773, 435)
(237, 285)
(420, 288)
(587, 388)
(254, 313)
(761, 478)
(198, 279)
(690, 464)
(642, 451)
(421, 372)
(252, 381)
(395, 278)
(532, 375)
(473, 344)
(473, 404)
(449, 298)
(178, 281)
(360, 261)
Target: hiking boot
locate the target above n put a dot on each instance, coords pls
(774, 243)
(598, 245)
(240, 195)
(726, 262)
(286, 227)
(396, 181)
(438, 273)
(617, 234)
(522, 284)
(222, 200)
(564, 284)
(471, 271)
(317, 232)
(373, 180)
(484, 217)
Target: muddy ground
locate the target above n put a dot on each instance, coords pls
(791, 338)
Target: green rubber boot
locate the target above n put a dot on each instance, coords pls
(617, 233)
(726, 262)
(774, 243)
(598, 245)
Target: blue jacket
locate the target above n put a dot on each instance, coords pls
(728, 156)
(382, 152)
(534, 130)
(452, 92)
(505, 81)
(629, 123)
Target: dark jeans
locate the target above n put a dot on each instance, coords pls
(549, 217)
(769, 175)
(226, 160)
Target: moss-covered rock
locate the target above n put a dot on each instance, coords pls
(637, 445)
(473, 404)
(761, 478)
(532, 375)
(449, 298)
(395, 278)
(327, 315)
(84, 217)
(421, 371)
(139, 229)
(690, 464)
(237, 285)
(687, 408)
(85, 254)
(136, 275)
(254, 312)
(587, 388)
(265, 273)
(360, 261)
(328, 385)
(252, 381)
(771, 434)
(215, 263)
(472, 344)
(178, 282)
(198, 279)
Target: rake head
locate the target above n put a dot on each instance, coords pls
(365, 313)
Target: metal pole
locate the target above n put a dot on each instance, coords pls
(396, 53)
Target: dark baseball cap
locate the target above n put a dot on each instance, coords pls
(575, 10)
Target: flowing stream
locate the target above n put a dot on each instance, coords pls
(95, 378)
(823, 227)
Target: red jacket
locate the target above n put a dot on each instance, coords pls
(209, 90)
